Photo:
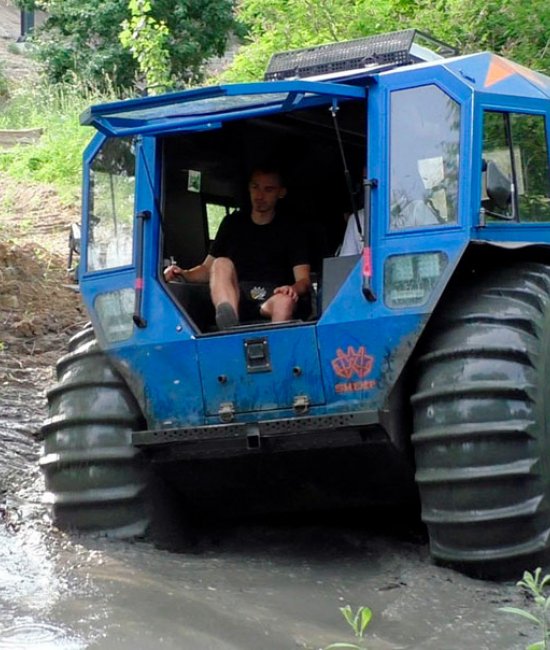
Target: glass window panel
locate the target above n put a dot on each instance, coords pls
(519, 139)
(425, 138)
(410, 279)
(215, 214)
(532, 175)
(496, 150)
(205, 106)
(111, 218)
(114, 310)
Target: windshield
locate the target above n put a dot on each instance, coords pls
(112, 187)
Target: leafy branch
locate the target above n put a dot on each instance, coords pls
(147, 39)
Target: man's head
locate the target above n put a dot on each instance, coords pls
(266, 187)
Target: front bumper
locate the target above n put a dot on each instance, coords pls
(268, 436)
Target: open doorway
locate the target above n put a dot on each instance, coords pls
(205, 177)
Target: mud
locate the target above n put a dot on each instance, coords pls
(247, 586)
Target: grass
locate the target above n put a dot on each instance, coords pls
(57, 157)
(4, 86)
(14, 48)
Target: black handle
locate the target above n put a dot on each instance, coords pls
(138, 319)
(368, 292)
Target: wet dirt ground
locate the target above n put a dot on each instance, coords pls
(248, 586)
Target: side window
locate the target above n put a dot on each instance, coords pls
(424, 150)
(111, 218)
(515, 156)
(215, 214)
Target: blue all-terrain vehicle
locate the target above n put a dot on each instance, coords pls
(420, 373)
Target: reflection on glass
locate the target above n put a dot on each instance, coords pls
(425, 134)
(516, 143)
(205, 106)
(112, 187)
(114, 310)
(410, 279)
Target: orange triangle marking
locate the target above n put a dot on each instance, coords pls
(498, 70)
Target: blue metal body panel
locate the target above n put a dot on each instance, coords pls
(351, 357)
(291, 370)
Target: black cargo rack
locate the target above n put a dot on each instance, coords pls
(368, 53)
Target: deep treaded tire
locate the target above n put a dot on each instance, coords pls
(95, 479)
(482, 423)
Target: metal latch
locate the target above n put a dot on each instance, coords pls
(300, 404)
(226, 412)
(257, 355)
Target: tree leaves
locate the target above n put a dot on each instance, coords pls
(513, 28)
(80, 39)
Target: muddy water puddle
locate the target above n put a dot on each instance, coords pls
(262, 589)
(252, 586)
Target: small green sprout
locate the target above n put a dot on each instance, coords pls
(358, 622)
(535, 583)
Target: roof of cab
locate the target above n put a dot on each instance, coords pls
(207, 108)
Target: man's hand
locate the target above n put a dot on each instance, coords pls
(199, 273)
(173, 272)
(287, 290)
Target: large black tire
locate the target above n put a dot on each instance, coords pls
(95, 479)
(482, 424)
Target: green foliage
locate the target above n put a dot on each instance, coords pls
(147, 39)
(57, 157)
(513, 28)
(29, 5)
(535, 584)
(278, 25)
(358, 621)
(80, 38)
(4, 87)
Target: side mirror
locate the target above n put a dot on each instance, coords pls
(499, 186)
(74, 249)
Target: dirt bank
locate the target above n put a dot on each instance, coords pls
(38, 307)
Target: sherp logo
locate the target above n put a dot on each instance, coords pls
(352, 363)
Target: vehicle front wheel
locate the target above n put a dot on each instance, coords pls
(482, 424)
(95, 479)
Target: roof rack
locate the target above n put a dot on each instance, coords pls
(369, 53)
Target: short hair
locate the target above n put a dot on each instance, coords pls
(269, 167)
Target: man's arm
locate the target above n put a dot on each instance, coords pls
(302, 283)
(199, 273)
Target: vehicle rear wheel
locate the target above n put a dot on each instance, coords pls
(95, 479)
(482, 424)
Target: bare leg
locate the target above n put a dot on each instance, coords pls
(223, 283)
(279, 308)
(224, 289)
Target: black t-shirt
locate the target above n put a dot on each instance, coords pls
(265, 253)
